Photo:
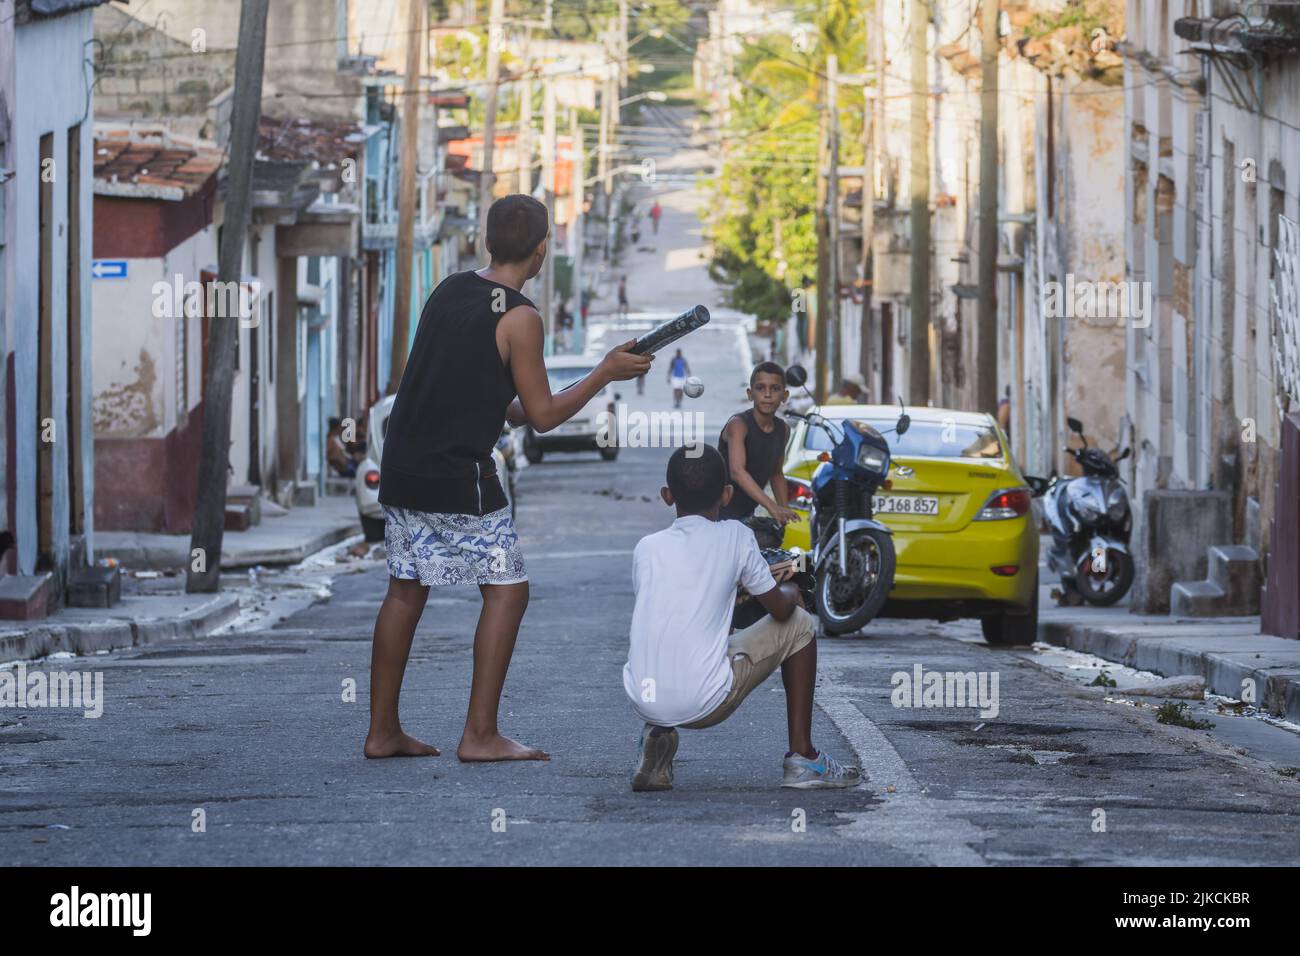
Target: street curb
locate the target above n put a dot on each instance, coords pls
(1225, 670)
(168, 558)
(91, 637)
(269, 556)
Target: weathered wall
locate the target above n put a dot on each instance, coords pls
(8, 228)
(1090, 234)
(158, 74)
(49, 95)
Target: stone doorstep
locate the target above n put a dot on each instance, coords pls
(24, 597)
(85, 638)
(1225, 656)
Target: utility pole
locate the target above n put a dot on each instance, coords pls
(919, 341)
(870, 139)
(602, 148)
(622, 46)
(204, 571)
(577, 193)
(496, 13)
(821, 327)
(836, 343)
(548, 184)
(524, 140)
(986, 346)
(406, 193)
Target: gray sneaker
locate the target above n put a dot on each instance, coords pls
(821, 774)
(657, 751)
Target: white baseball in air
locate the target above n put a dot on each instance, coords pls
(693, 388)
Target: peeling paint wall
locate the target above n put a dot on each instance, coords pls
(1202, 381)
(46, 93)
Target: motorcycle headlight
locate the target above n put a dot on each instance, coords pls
(1116, 504)
(872, 459)
(1087, 507)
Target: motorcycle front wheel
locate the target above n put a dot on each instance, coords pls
(847, 603)
(1104, 588)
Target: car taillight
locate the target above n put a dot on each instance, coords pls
(372, 478)
(801, 496)
(1012, 503)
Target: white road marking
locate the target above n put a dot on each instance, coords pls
(935, 831)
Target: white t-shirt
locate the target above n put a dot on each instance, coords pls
(685, 578)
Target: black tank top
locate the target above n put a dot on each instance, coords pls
(451, 403)
(764, 452)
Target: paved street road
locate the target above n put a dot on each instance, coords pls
(252, 729)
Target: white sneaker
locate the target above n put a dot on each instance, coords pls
(821, 774)
(657, 752)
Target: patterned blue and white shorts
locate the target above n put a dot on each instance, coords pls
(435, 548)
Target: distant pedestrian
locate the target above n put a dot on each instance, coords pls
(622, 297)
(1004, 413)
(655, 212)
(678, 371)
(336, 452)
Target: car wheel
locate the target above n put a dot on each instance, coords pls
(1013, 629)
(372, 528)
(609, 454)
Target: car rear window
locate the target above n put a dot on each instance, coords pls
(924, 440)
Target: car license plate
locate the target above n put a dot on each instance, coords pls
(905, 504)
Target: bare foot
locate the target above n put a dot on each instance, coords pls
(398, 745)
(496, 747)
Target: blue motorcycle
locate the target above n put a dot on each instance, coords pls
(853, 553)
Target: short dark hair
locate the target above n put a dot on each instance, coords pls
(696, 476)
(766, 368)
(336, 423)
(515, 226)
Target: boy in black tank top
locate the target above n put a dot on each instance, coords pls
(476, 362)
(753, 445)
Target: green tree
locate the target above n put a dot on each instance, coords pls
(762, 218)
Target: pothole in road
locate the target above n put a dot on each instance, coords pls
(26, 737)
(1038, 744)
(1043, 758)
(242, 651)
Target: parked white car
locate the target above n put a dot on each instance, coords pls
(367, 480)
(579, 432)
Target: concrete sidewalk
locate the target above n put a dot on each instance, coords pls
(136, 619)
(1228, 652)
(279, 539)
(159, 610)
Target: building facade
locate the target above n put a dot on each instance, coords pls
(46, 224)
(1212, 118)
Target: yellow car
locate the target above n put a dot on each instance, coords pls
(964, 533)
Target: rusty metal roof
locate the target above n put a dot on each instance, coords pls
(323, 142)
(152, 166)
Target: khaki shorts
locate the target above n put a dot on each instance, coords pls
(755, 653)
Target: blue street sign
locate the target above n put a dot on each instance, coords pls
(108, 269)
